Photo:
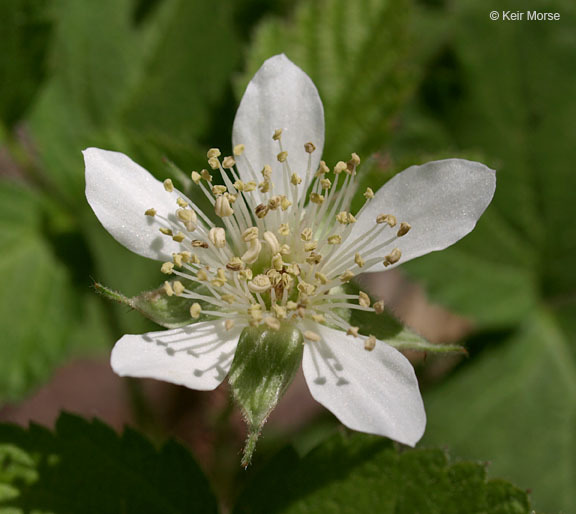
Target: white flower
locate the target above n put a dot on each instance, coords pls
(284, 244)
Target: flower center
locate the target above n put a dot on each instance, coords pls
(275, 258)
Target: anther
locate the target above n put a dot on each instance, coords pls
(261, 210)
(167, 268)
(181, 202)
(274, 203)
(293, 269)
(235, 264)
(222, 207)
(179, 237)
(306, 234)
(325, 183)
(217, 236)
(168, 289)
(309, 147)
(404, 229)
(228, 162)
(390, 219)
(311, 336)
(273, 323)
(316, 198)
(284, 202)
(322, 169)
(295, 179)
(282, 156)
(352, 331)
(195, 310)
(250, 233)
(393, 257)
(359, 260)
(214, 163)
(178, 287)
(291, 306)
(318, 318)
(340, 167)
(369, 194)
(312, 245)
(284, 229)
(228, 324)
(212, 153)
(363, 299)
(168, 186)
(239, 149)
(205, 174)
(266, 171)
(277, 262)
(150, 212)
(228, 298)
(219, 190)
(370, 343)
(165, 231)
(314, 258)
(347, 276)
(196, 243)
(306, 288)
(334, 240)
(201, 275)
(196, 177)
(277, 135)
(245, 274)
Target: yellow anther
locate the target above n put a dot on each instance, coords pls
(235, 264)
(359, 260)
(222, 207)
(272, 242)
(323, 279)
(261, 210)
(274, 276)
(186, 256)
(312, 245)
(201, 275)
(205, 174)
(325, 183)
(217, 236)
(351, 218)
(322, 169)
(251, 255)
(195, 310)
(178, 287)
(177, 258)
(165, 231)
(231, 198)
(334, 240)
(214, 163)
(196, 243)
(282, 156)
(229, 324)
(249, 186)
(306, 288)
(277, 262)
(309, 147)
(284, 229)
(393, 257)
(318, 318)
(218, 190)
(188, 216)
(168, 185)
(363, 299)
(179, 237)
(277, 135)
(306, 234)
(239, 185)
(250, 233)
(279, 311)
(344, 218)
(196, 177)
(228, 298)
(266, 171)
(213, 152)
(273, 323)
(369, 194)
(264, 186)
(291, 306)
(245, 274)
(284, 202)
(352, 331)
(228, 162)
(390, 219)
(340, 167)
(404, 229)
(316, 198)
(221, 274)
(260, 284)
(354, 159)
(181, 202)
(167, 268)
(311, 336)
(295, 179)
(347, 276)
(285, 249)
(217, 282)
(370, 343)
(150, 212)
(239, 149)
(168, 289)
(274, 203)
(255, 312)
(314, 258)
(293, 269)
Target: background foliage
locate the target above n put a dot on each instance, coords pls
(403, 82)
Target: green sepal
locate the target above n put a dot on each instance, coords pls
(264, 365)
(389, 329)
(168, 311)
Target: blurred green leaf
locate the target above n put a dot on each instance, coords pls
(361, 473)
(85, 467)
(25, 26)
(358, 55)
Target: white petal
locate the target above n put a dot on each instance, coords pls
(375, 392)
(441, 200)
(197, 356)
(279, 96)
(119, 192)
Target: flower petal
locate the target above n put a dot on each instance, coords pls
(375, 392)
(196, 356)
(119, 192)
(279, 96)
(441, 200)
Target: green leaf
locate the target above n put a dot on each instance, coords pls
(360, 473)
(86, 467)
(358, 55)
(38, 303)
(516, 406)
(25, 26)
(264, 365)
